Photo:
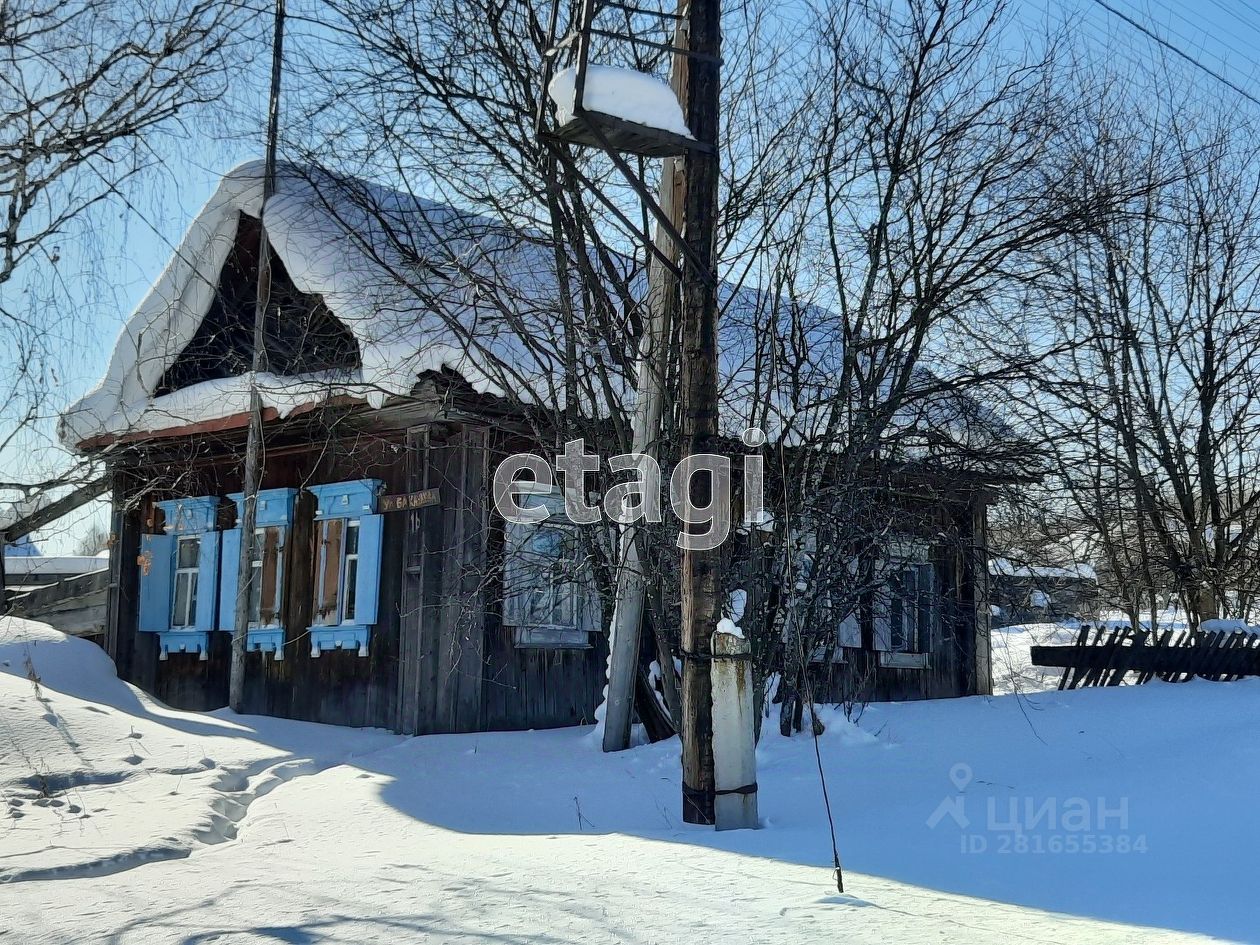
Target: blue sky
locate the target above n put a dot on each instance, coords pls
(103, 278)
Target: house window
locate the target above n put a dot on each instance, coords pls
(549, 595)
(911, 606)
(267, 577)
(336, 592)
(176, 568)
(273, 517)
(187, 568)
(347, 581)
(827, 604)
(906, 609)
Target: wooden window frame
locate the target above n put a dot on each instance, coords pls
(575, 580)
(909, 649)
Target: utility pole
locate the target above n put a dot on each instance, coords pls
(253, 442)
(662, 296)
(699, 398)
(4, 578)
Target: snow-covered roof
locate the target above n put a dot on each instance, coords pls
(336, 242)
(28, 566)
(1004, 567)
(423, 287)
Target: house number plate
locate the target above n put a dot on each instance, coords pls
(411, 500)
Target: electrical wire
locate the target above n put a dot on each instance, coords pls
(1176, 50)
(800, 645)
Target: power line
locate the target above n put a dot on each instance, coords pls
(1177, 51)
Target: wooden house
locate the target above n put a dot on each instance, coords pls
(380, 596)
(1037, 593)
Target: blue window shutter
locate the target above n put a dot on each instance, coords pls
(208, 578)
(367, 591)
(156, 552)
(231, 558)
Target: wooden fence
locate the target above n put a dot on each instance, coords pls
(75, 606)
(1102, 657)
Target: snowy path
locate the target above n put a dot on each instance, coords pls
(349, 868)
(129, 822)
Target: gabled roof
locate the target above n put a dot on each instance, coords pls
(335, 242)
(1004, 567)
(424, 287)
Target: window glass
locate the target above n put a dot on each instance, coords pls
(336, 592)
(350, 573)
(189, 549)
(328, 587)
(184, 600)
(266, 576)
(926, 605)
(351, 585)
(911, 607)
(903, 609)
(544, 578)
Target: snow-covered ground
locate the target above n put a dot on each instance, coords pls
(1011, 652)
(140, 824)
(1014, 672)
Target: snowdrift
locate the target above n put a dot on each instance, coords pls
(97, 777)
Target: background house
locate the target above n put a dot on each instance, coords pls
(1027, 593)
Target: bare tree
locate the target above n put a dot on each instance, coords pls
(1151, 414)
(85, 85)
(887, 193)
(543, 286)
(94, 542)
(929, 202)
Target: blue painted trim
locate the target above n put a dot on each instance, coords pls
(275, 507)
(184, 641)
(157, 554)
(265, 640)
(190, 516)
(345, 499)
(334, 638)
(229, 555)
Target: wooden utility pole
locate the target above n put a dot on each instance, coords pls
(4, 578)
(662, 298)
(699, 399)
(253, 442)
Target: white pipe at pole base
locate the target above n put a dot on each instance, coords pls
(734, 743)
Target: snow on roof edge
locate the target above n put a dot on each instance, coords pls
(303, 229)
